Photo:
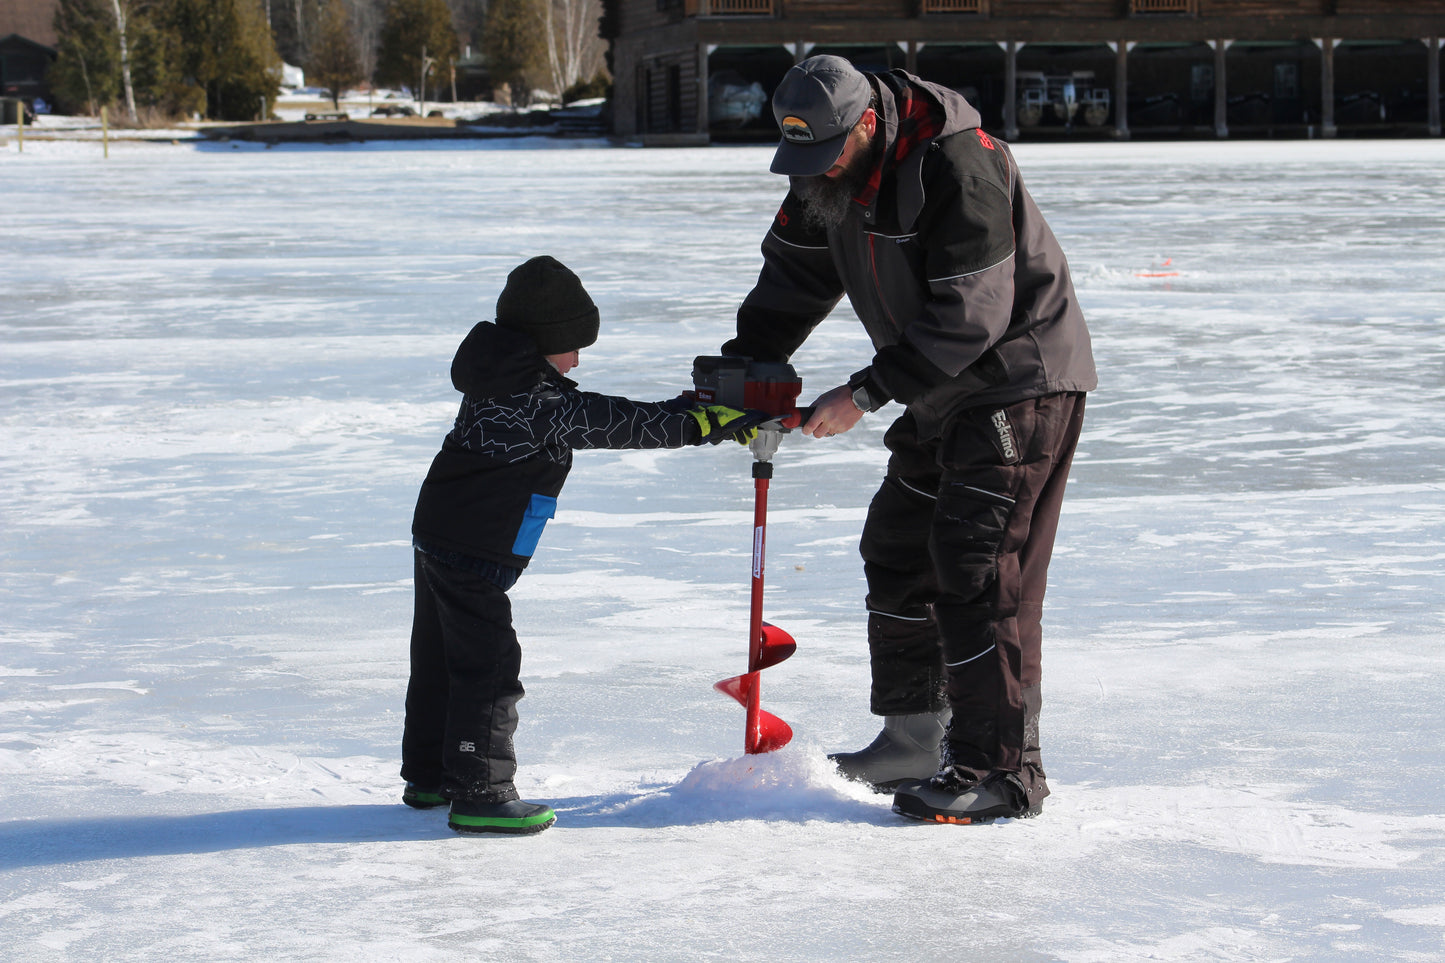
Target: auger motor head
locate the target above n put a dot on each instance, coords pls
(771, 386)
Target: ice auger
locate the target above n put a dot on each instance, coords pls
(771, 387)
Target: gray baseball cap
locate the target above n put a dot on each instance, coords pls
(817, 103)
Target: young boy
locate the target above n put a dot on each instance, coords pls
(479, 516)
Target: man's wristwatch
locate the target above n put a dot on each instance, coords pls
(866, 396)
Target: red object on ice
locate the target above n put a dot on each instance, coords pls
(767, 644)
(1159, 274)
(771, 387)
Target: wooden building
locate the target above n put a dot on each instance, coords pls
(27, 48)
(697, 70)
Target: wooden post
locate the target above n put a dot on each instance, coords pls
(1121, 90)
(1010, 91)
(1327, 86)
(20, 124)
(624, 91)
(105, 132)
(644, 98)
(704, 118)
(1432, 84)
(1221, 94)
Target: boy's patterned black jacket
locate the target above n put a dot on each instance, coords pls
(495, 481)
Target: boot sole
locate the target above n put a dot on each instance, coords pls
(914, 808)
(424, 800)
(478, 825)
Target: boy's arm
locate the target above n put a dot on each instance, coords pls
(585, 419)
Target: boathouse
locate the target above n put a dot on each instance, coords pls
(693, 71)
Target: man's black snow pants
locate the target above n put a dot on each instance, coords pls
(956, 552)
(461, 703)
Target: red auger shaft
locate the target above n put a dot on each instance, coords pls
(762, 472)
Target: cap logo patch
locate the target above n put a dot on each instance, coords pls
(796, 129)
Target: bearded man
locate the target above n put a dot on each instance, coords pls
(900, 200)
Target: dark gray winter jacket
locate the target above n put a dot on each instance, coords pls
(495, 481)
(953, 271)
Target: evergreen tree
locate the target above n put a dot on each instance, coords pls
(86, 72)
(250, 70)
(158, 55)
(335, 62)
(223, 47)
(409, 28)
(516, 45)
(180, 56)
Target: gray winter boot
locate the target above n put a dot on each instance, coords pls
(905, 750)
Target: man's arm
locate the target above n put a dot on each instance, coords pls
(797, 288)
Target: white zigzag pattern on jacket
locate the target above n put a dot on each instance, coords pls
(549, 422)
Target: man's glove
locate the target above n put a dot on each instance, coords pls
(719, 423)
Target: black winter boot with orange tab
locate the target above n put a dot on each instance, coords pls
(955, 796)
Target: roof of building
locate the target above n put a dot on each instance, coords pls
(31, 19)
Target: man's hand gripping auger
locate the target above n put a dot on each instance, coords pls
(772, 388)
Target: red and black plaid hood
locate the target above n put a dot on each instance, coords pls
(914, 112)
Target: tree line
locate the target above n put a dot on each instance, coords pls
(222, 59)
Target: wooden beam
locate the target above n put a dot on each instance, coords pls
(1221, 94)
(1432, 84)
(1121, 90)
(1011, 91)
(935, 29)
(1327, 86)
(704, 122)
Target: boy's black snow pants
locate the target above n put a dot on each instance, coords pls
(956, 552)
(461, 703)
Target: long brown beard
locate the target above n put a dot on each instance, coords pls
(826, 200)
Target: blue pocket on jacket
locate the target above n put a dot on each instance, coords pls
(539, 509)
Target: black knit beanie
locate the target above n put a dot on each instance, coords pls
(546, 300)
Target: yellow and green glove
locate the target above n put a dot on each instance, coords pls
(717, 423)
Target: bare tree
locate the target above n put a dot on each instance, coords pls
(122, 16)
(574, 49)
(366, 17)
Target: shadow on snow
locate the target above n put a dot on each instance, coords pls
(53, 842)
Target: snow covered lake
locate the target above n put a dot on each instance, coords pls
(223, 373)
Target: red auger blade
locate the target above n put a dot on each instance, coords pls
(764, 731)
(739, 686)
(771, 733)
(774, 646)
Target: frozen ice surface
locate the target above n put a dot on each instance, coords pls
(223, 373)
